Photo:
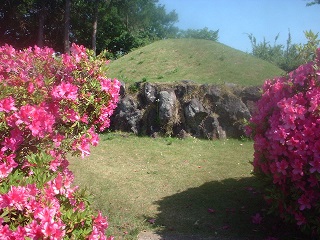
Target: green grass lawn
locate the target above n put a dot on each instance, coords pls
(202, 61)
(186, 186)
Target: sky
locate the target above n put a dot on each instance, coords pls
(237, 18)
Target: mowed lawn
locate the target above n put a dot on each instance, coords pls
(188, 186)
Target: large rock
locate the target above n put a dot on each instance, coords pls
(194, 114)
(210, 128)
(150, 93)
(167, 105)
(127, 116)
(206, 111)
(232, 115)
(249, 96)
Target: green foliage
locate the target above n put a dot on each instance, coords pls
(134, 87)
(313, 3)
(285, 57)
(307, 52)
(122, 25)
(204, 33)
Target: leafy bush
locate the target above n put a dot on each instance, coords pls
(204, 33)
(286, 132)
(285, 57)
(50, 105)
(308, 50)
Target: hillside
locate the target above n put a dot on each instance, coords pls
(202, 61)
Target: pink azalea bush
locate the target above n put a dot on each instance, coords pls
(49, 106)
(286, 133)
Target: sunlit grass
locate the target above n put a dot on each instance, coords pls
(202, 61)
(173, 182)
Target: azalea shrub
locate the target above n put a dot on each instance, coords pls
(286, 133)
(51, 105)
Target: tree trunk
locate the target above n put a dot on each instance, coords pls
(95, 27)
(67, 26)
(40, 41)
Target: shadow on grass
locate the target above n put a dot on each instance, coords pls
(221, 208)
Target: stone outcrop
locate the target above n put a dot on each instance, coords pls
(185, 108)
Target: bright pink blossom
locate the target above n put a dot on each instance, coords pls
(304, 202)
(286, 133)
(282, 166)
(315, 165)
(60, 115)
(65, 91)
(7, 104)
(7, 164)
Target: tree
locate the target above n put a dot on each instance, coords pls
(313, 3)
(94, 27)
(285, 57)
(15, 25)
(23, 23)
(42, 11)
(116, 25)
(307, 52)
(204, 33)
(137, 23)
(66, 41)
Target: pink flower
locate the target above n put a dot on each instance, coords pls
(24, 114)
(13, 142)
(33, 230)
(297, 166)
(313, 180)
(301, 220)
(7, 105)
(57, 185)
(16, 197)
(210, 210)
(40, 124)
(100, 222)
(7, 164)
(84, 118)
(78, 51)
(70, 115)
(31, 88)
(96, 234)
(105, 83)
(315, 166)
(94, 137)
(54, 230)
(282, 166)
(152, 220)
(65, 91)
(5, 232)
(83, 145)
(256, 219)
(45, 214)
(304, 202)
(57, 139)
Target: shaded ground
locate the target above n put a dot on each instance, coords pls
(155, 236)
(230, 209)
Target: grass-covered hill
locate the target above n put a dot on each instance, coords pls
(202, 61)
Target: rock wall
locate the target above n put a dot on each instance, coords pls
(185, 108)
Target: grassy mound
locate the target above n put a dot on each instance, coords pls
(202, 61)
